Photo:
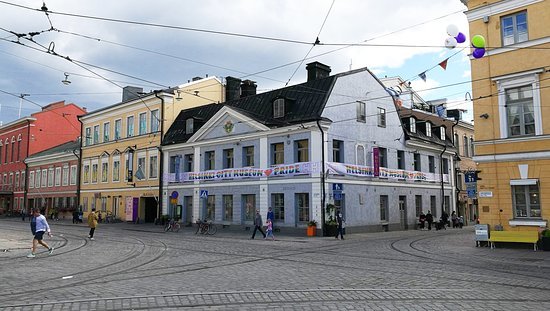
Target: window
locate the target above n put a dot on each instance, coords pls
(428, 129)
(248, 156)
(433, 204)
(302, 150)
(418, 204)
(472, 151)
(1, 152)
(442, 132)
(361, 112)
(278, 206)
(44, 182)
(96, 134)
(228, 158)
(50, 177)
(456, 143)
(31, 179)
(143, 123)
(141, 167)
(383, 156)
(103, 204)
(381, 117)
(153, 166)
(86, 174)
(401, 159)
(227, 207)
(106, 132)
(465, 145)
(85, 204)
(19, 148)
(65, 175)
(116, 170)
(94, 172)
(447, 202)
(188, 163)
(514, 28)
(23, 180)
(277, 153)
(384, 207)
(445, 166)
(173, 166)
(104, 171)
(10, 180)
(130, 126)
(526, 200)
(520, 111)
(189, 126)
(279, 108)
(209, 160)
(118, 129)
(302, 202)
(73, 175)
(412, 123)
(17, 180)
(58, 176)
(249, 207)
(360, 154)
(338, 151)
(88, 136)
(37, 181)
(7, 144)
(211, 207)
(155, 121)
(416, 162)
(431, 164)
(12, 148)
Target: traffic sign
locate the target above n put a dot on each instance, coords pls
(337, 187)
(204, 194)
(471, 193)
(470, 177)
(338, 195)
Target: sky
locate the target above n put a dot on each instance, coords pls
(269, 42)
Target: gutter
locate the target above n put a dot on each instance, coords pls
(27, 165)
(79, 169)
(161, 156)
(323, 193)
(457, 191)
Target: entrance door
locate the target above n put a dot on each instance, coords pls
(403, 212)
(188, 211)
(150, 205)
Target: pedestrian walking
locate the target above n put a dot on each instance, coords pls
(269, 229)
(270, 215)
(92, 223)
(454, 219)
(23, 213)
(258, 224)
(99, 217)
(429, 219)
(422, 221)
(39, 226)
(340, 221)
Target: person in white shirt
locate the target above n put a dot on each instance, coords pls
(41, 228)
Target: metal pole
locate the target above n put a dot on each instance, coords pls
(21, 103)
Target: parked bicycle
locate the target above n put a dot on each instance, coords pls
(172, 225)
(206, 227)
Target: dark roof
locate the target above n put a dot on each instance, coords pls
(303, 102)
(67, 147)
(436, 121)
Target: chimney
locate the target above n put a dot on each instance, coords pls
(196, 79)
(232, 90)
(317, 70)
(248, 87)
(131, 92)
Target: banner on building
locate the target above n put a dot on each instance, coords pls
(367, 171)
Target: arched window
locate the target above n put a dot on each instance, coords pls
(12, 148)
(1, 145)
(7, 145)
(19, 139)
(360, 155)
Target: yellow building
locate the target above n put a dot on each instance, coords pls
(121, 160)
(511, 92)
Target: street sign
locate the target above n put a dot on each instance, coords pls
(471, 193)
(338, 195)
(486, 194)
(204, 194)
(470, 177)
(337, 187)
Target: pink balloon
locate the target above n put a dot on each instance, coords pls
(460, 38)
(478, 53)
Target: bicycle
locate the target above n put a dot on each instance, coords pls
(206, 227)
(172, 225)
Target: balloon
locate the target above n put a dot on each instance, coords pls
(452, 30)
(478, 53)
(450, 43)
(460, 38)
(478, 41)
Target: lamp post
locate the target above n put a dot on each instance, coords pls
(21, 97)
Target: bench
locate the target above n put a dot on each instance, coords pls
(514, 236)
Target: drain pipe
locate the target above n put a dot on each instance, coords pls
(79, 169)
(323, 194)
(160, 157)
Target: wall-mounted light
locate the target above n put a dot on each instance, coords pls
(484, 116)
(66, 80)
(179, 95)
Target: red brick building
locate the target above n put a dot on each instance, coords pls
(53, 179)
(57, 123)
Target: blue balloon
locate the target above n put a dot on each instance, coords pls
(478, 53)
(460, 38)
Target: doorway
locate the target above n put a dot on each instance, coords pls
(403, 212)
(150, 208)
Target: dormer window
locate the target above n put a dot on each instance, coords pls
(279, 108)
(442, 132)
(428, 129)
(412, 124)
(189, 126)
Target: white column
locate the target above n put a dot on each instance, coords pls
(196, 189)
(316, 145)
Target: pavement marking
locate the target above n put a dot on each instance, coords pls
(67, 277)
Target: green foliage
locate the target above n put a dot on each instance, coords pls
(312, 223)
(545, 233)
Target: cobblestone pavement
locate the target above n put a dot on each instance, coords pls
(138, 267)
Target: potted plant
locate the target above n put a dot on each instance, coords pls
(311, 228)
(545, 240)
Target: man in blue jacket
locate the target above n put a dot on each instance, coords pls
(39, 226)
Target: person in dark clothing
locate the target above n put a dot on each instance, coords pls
(445, 219)
(270, 215)
(430, 220)
(258, 224)
(422, 220)
(340, 220)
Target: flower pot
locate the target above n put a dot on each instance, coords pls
(330, 230)
(311, 230)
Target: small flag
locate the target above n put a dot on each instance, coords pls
(443, 64)
(139, 173)
(423, 76)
